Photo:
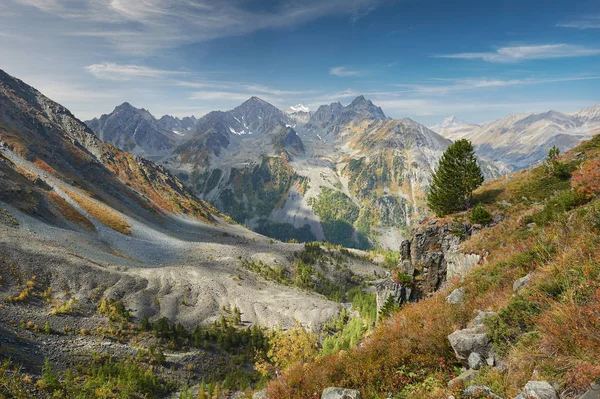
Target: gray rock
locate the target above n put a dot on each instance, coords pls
(387, 287)
(464, 378)
(480, 318)
(475, 391)
(539, 390)
(340, 393)
(475, 361)
(262, 394)
(521, 283)
(456, 296)
(593, 393)
(472, 339)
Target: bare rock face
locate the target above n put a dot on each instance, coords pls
(433, 251)
(340, 393)
(386, 288)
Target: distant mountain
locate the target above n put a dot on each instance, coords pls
(135, 130)
(298, 113)
(178, 126)
(453, 128)
(330, 118)
(521, 140)
(215, 131)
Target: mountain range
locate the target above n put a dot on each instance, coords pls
(522, 140)
(344, 174)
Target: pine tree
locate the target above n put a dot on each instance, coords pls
(457, 175)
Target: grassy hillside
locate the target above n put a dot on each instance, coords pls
(548, 331)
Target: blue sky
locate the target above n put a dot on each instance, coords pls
(424, 59)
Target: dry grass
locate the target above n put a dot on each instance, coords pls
(70, 213)
(103, 213)
(550, 330)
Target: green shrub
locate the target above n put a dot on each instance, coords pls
(480, 215)
(510, 322)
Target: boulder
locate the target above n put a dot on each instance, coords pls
(456, 296)
(459, 264)
(340, 393)
(477, 391)
(538, 390)
(521, 283)
(473, 339)
(593, 393)
(475, 361)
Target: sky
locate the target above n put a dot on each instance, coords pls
(425, 59)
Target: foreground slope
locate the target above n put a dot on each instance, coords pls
(537, 280)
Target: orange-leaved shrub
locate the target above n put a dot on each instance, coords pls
(586, 179)
(408, 348)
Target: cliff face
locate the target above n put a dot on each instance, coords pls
(428, 259)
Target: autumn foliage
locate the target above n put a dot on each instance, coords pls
(586, 180)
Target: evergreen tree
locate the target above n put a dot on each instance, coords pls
(455, 179)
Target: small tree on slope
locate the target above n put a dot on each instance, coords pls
(455, 179)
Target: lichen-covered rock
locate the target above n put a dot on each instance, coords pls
(340, 393)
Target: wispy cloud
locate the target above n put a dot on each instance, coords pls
(343, 72)
(147, 25)
(525, 53)
(587, 22)
(112, 71)
(458, 85)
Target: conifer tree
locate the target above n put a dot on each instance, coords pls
(455, 179)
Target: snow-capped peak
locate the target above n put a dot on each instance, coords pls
(299, 108)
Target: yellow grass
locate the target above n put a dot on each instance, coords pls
(104, 214)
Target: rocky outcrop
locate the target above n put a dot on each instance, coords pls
(386, 288)
(433, 253)
(340, 393)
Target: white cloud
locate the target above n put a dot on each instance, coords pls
(112, 71)
(588, 22)
(524, 53)
(343, 72)
(458, 85)
(143, 26)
